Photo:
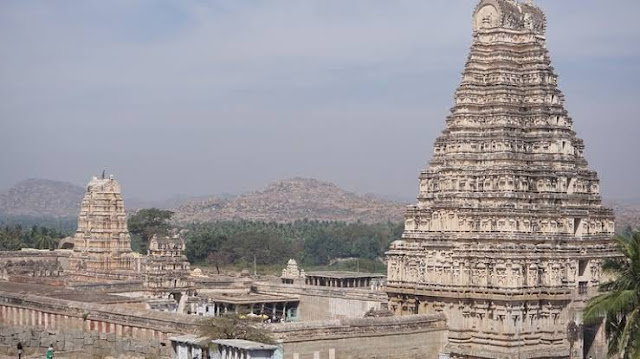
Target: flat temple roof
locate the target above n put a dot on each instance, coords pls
(244, 344)
(250, 298)
(345, 275)
(190, 339)
(60, 292)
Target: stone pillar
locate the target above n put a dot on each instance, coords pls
(273, 311)
(284, 311)
(332, 353)
(46, 320)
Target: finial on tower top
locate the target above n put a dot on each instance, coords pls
(509, 14)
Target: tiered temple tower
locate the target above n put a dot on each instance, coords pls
(102, 245)
(509, 233)
(166, 266)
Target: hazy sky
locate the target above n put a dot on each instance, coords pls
(198, 97)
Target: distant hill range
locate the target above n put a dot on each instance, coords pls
(42, 198)
(282, 201)
(627, 214)
(291, 200)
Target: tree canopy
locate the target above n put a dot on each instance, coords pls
(312, 243)
(619, 304)
(145, 223)
(234, 326)
(15, 237)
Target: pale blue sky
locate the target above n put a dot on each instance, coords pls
(198, 97)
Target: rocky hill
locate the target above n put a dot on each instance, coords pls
(42, 198)
(282, 201)
(294, 199)
(627, 215)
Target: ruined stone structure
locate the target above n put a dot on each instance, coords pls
(509, 234)
(166, 266)
(102, 245)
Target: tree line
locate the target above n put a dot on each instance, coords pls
(312, 243)
(15, 237)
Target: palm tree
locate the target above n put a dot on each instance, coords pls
(619, 305)
(45, 242)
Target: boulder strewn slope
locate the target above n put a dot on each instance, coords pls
(291, 200)
(41, 198)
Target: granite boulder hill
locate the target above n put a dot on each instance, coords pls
(294, 199)
(627, 214)
(282, 201)
(41, 198)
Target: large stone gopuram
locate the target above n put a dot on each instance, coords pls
(102, 245)
(509, 233)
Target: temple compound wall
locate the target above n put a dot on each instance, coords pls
(420, 336)
(33, 265)
(320, 303)
(87, 330)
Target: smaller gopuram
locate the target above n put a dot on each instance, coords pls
(292, 274)
(102, 245)
(166, 266)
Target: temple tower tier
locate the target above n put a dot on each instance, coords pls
(509, 232)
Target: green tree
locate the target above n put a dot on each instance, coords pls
(619, 305)
(46, 242)
(145, 223)
(234, 326)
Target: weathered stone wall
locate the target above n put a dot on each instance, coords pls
(110, 286)
(90, 330)
(15, 265)
(97, 329)
(322, 303)
(418, 336)
(79, 343)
